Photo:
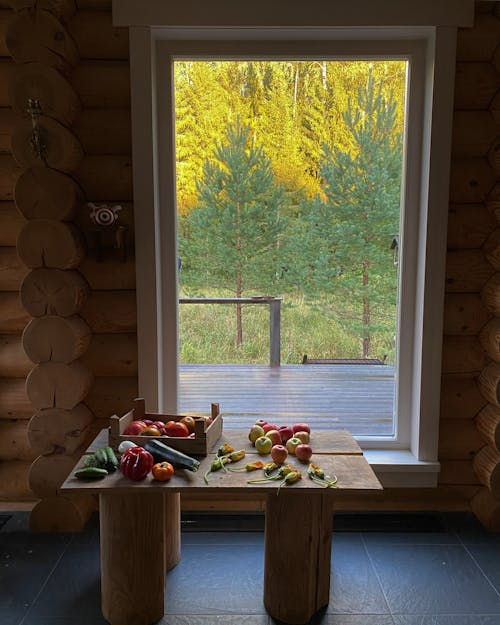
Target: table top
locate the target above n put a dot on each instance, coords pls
(336, 452)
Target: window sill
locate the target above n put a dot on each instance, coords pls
(400, 469)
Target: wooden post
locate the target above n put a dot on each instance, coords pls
(302, 526)
(275, 331)
(138, 598)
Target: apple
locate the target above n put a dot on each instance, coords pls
(301, 427)
(134, 428)
(292, 444)
(263, 445)
(255, 432)
(279, 453)
(303, 452)
(275, 436)
(286, 433)
(261, 422)
(269, 426)
(305, 437)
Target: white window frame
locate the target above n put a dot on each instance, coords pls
(159, 33)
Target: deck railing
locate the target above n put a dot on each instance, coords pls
(274, 304)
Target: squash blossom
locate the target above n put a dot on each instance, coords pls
(318, 476)
(250, 466)
(290, 478)
(235, 456)
(217, 463)
(283, 471)
(225, 449)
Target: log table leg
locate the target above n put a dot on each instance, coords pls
(172, 503)
(133, 538)
(298, 540)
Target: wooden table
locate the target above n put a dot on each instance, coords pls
(140, 529)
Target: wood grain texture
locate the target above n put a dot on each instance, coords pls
(55, 94)
(473, 134)
(112, 355)
(489, 337)
(457, 472)
(53, 515)
(463, 354)
(54, 292)
(490, 294)
(14, 484)
(100, 84)
(57, 385)
(489, 383)
(104, 131)
(11, 223)
(130, 569)
(14, 402)
(13, 317)
(478, 43)
(293, 590)
(488, 424)
(48, 472)
(469, 225)
(475, 86)
(111, 311)
(13, 361)
(460, 396)
(486, 507)
(458, 439)
(464, 314)
(49, 243)
(487, 468)
(59, 431)
(172, 512)
(61, 8)
(471, 180)
(108, 177)
(96, 38)
(491, 248)
(56, 339)
(467, 271)
(10, 173)
(109, 275)
(14, 442)
(109, 396)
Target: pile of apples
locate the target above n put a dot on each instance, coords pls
(281, 440)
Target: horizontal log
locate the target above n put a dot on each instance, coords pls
(61, 8)
(14, 402)
(54, 292)
(473, 133)
(489, 337)
(495, 107)
(39, 37)
(462, 354)
(471, 180)
(458, 439)
(10, 173)
(104, 131)
(487, 468)
(494, 155)
(108, 177)
(44, 193)
(467, 271)
(490, 294)
(489, 383)
(13, 361)
(49, 243)
(109, 396)
(111, 311)
(487, 509)
(56, 96)
(491, 248)
(12, 270)
(8, 119)
(14, 484)
(56, 339)
(62, 514)
(101, 84)
(48, 472)
(475, 86)
(11, 223)
(478, 43)
(457, 472)
(96, 38)
(7, 66)
(488, 425)
(5, 17)
(59, 431)
(460, 396)
(14, 443)
(56, 385)
(108, 275)
(112, 355)
(469, 225)
(464, 314)
(13, 317)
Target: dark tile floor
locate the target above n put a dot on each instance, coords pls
(446, 577)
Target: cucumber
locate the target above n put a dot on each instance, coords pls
(101, 457)
(90, 473)
(164, 453)
(91, 461)
(112, 462)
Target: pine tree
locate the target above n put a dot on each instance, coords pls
(231, 237)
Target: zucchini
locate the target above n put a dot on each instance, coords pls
(90, 473)
(164, 453)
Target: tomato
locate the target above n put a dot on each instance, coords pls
(162, 471)
(151, 430)
(188, 422)
(134, 428)
(174, 428)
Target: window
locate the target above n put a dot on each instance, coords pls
(410, 457)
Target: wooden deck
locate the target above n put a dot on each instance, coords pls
(358, 398)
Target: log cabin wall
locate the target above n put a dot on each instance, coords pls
(102, 84)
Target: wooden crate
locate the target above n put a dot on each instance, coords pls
(204, 439)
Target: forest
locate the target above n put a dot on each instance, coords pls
(289, 177)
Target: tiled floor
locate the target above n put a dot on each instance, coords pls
(447, 577)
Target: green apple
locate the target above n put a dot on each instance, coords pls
(255, 432)
(263, 445)
(292, 444)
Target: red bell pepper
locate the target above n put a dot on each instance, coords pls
(136, 463)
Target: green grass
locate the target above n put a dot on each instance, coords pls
(208, 333)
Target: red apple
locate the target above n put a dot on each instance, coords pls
(286, 433)
(303, 452)
(263, 445)
(275, 437)
(261, 422)
(279, 453)
(148, 422)
(305, 437)
(134, 428)
(292, 444)
(255, 432)
(301, 427)
(269, 426)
